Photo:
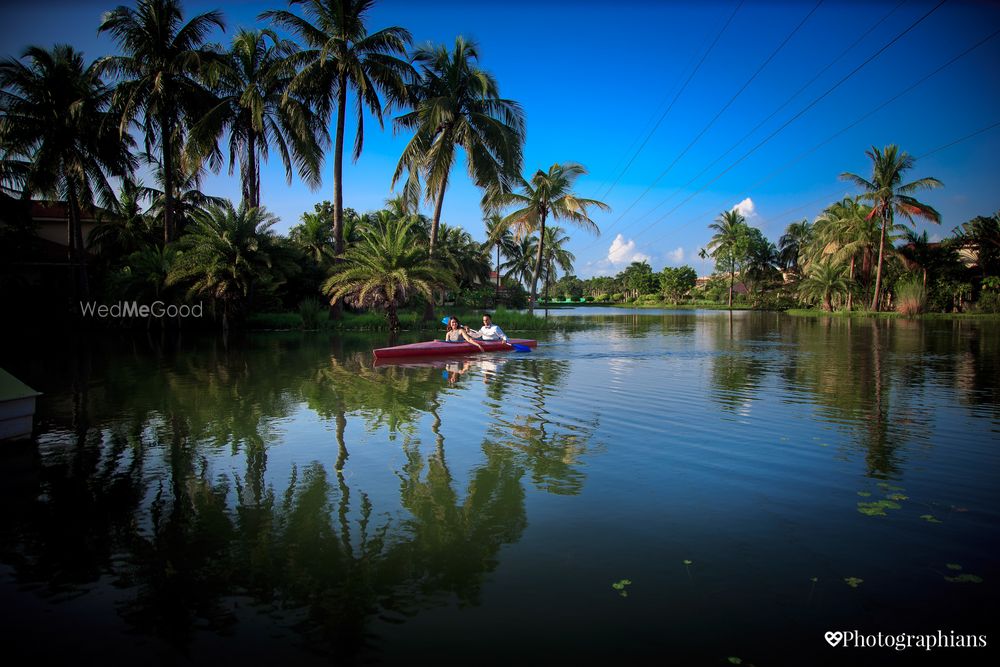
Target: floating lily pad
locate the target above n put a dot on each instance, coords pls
(864, 494)
(688, 562)
(814, 579)
(953, 566)
(733, 660)
(929, 518)
(878, 507)
(897, 496)
(620, 587)
(853, 582)
(965, 579)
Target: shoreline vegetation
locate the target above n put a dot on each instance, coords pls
(171, 243)
(514, 321)
(410, 320)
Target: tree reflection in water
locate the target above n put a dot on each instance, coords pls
(132, 486)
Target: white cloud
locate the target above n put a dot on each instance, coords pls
(746, 208)
(623, 252)
(676, 256)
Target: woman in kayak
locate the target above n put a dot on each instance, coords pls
(457, 333)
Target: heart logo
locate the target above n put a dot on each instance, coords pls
(834, 638)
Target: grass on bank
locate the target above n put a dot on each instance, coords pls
(310, 319)
(891, 315)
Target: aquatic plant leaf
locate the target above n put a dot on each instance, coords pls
(620, 587)
(929, 518)
(864, 494)
(733, 660)
(853, 582)
(878, 507)
(953, 566)
(965, 579)
(897, 496)
(688, 562)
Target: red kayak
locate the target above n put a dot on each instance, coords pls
(440, 347)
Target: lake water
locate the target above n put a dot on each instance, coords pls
(671, 487)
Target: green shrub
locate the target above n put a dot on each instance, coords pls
(476, 297)
(274, 321)
(911, 297)
(989, 302)
(314, 313)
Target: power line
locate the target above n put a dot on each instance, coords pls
(774, 113)
(827, 197)
(676, 97)
(649, 125)
(958, 141)
(797, 115)
(873, 111)
(858, 120)
(720, 112)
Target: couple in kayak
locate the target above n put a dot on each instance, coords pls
(489, 331)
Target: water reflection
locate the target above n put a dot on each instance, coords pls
(188, 481)
(135, 476)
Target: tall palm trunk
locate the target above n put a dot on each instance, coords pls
(338, 170)
(435, 223)
(251, 178)
(497, 297)
(538, 266)
(393, 317)
(850, 292)
(166, 145)
(881, 249)
(732, 276)
(338, 187)
(78, 253)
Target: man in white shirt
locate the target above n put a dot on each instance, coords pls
(490, 331)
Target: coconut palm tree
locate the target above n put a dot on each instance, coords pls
(498, 235)
(58, 137)
(257, 109)
(556, 256)
(916, 251)
(342, 56)
(548, 194)
(520, 260)
(759, 266)
(188, 199)
(165, 60)
(728, 245)
(823, 281)
(891, 197)
(385, 268)
(230, 253)
(457, 104)
(845, 232)
(981, 235)
(796, 237)
(467, 260)
(314, 236)
(127, 228)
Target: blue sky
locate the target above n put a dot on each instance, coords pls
(594, 79)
